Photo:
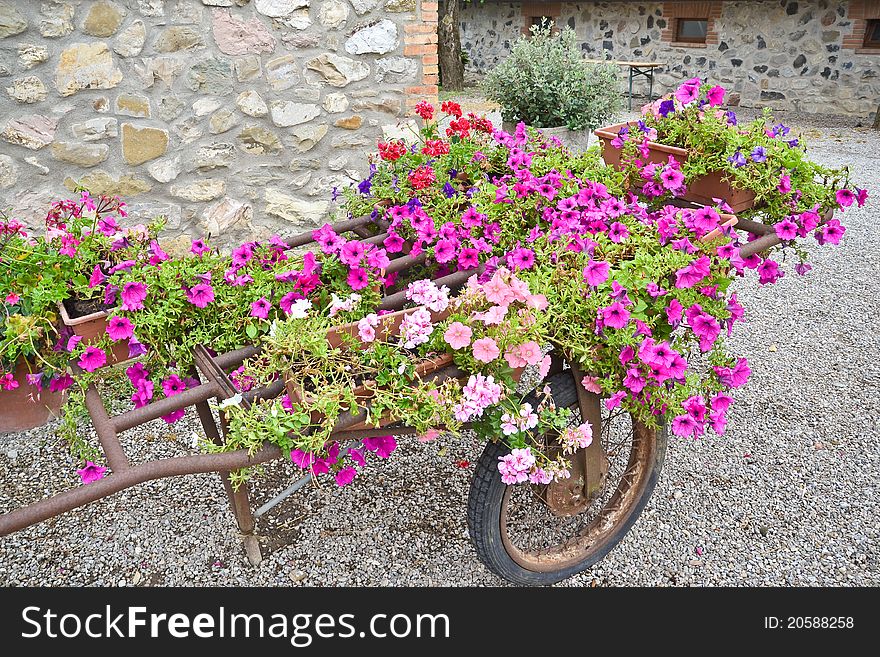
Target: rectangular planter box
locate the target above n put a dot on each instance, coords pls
(91, 327)
(701, 190)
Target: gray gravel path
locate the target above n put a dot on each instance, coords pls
(788, 497)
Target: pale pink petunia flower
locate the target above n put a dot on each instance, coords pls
(458, 335)
(486, 350)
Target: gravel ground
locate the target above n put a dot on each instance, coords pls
(788, 497)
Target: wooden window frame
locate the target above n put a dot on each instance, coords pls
(862, 14)
(679, 38)
(871, 25)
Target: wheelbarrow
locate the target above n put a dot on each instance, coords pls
(527, 534)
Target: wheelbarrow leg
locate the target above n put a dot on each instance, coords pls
(238, 499)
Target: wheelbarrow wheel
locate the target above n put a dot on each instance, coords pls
(527, 535)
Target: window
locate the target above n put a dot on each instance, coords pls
(872, 34)
(691, 30)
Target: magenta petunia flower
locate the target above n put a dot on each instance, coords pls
(736, 376)
(91, 472)
(688, 92)
(673, 312)
(672, 179)
(618, 232)
(784, 185)
(199, 247)
(615, 315)
(357, 278)
(383, 446)
(769, 272)
(521, 258)
(301, 459)
(260, 308)
(444, 250)
(715, 96)
(60, 383)
(119, 328)
(97, 277)
(137, 373)
(861, 196)
(133, 295)
(200, 295)
(173, 385)
(345, 476)
(786, 229)
(707, 329)
(357, 456)
(174, 416)
(684, 426)
(352, 253)
(845, 198)
(614, 400)
(596, 272)
(468, 258)
(8, 382)
(92, 359)
(73, 341)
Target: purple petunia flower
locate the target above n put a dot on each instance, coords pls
(758, 154)
(133, 295)
(737, 159)
(119, 328)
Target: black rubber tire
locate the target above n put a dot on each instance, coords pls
(487, 491)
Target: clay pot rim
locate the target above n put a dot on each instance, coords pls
(65, 317)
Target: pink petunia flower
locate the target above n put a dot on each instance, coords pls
(486, 350)
(458, 335)
(590, 384)
(544, 367)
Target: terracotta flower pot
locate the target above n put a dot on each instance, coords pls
(24, 407)
(92, 327)
(702, 190)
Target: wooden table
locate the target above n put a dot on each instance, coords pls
(645, 69)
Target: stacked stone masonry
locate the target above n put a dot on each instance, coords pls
(804, 55)
(234, 117)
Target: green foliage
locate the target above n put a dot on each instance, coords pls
(546, 83)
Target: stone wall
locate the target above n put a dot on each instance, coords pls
(786, 54)
(233, 117)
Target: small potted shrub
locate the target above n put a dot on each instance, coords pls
(545, 83)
